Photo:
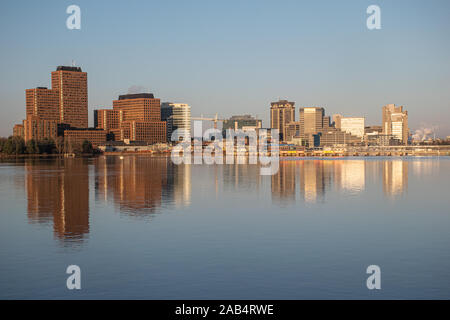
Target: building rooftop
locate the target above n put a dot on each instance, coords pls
(242, 117)
(307, 107)
(136, 96)
(282, 102)
(67, 68)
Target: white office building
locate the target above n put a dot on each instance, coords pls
(178, 117)
(352, 125)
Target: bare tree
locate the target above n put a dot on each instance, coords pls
(59, 143)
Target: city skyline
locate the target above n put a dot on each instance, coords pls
(221, 158)
(61, 113)
(240, 70)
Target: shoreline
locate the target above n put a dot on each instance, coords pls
(38, 155)
(282, 156)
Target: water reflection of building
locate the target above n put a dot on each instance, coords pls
(283, 182)
(58, 192)
(133, 183)
(395, 177)
(424, 166)
(140, 184)
(179, 187)
(315, 177)
(238, 177)
(350, 175)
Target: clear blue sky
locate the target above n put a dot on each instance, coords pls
(235, 57)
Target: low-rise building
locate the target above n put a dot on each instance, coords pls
(293, 131)
(241, 122)
(18, 131)
(150, 131)
(78, 136)
(38, 129)
(379, 139)
(373, 129)
(336, 137)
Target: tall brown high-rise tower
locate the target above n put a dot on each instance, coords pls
(63, 108)
(71, 84)
(281, 114)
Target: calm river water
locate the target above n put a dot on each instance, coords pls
(144, 228)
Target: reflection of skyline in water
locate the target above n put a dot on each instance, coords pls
(395, 177)
(316, 177)
(198, 221)
(140, 185)
(283, 183)
(132, 183)
(58, 190)
(351, 175)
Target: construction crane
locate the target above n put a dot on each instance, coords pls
(215, 119)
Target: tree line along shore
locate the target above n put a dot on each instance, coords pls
(16, 146)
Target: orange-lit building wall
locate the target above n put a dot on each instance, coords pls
(141, 109)
(18, 131)
(38, 129)
(43, 103)
(73, 96)
(150, 131)
(107, 119)
(95, 137)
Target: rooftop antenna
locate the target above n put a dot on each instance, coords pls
(73, 63)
